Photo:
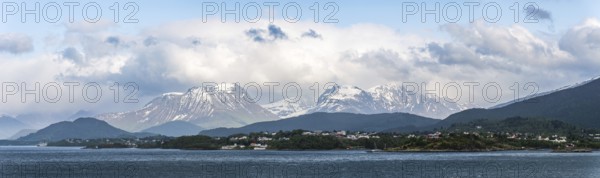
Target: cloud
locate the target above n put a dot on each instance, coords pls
(74, 55)
(506, 47)
(312, 34)
(539, 14)
(150, 41)
(363, 55)
(276, 32)
(113, 40)
(583, 42)
(451, 54)
(15, 43)
(256, 35)
(387, 63)
(195, 41)
(168, 58)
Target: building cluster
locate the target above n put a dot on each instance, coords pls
(528, 136)
(343, 134)
(254, 146)
(508, 135)
(260, 142)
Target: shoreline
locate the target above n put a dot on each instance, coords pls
(315, 150)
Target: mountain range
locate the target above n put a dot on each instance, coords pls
(225, 106)
(338, 108)
(389, 98)
(207, 107)
(578, 105)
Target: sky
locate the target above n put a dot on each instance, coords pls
(154, 47)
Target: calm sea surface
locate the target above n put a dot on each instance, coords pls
(75, 162)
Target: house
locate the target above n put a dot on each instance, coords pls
(229, 147)
(558, 139)
(258, 146)
(262, 139)
(238, 138)
(308, 133)
(435, 135)
(362, 136)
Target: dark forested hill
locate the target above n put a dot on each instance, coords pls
(331, 121)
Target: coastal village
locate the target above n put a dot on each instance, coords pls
(262, 140)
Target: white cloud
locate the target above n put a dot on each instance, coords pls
(171, 58)
(15, 43)
(583, 42)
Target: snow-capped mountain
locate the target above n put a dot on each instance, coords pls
(208, 107)
(285, 109)
(388, 98)
(394, 98)
(348, 99)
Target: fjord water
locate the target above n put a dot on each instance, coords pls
(76, 162)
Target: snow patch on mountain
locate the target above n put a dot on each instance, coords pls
(286, 109)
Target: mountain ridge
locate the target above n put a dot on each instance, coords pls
(579, 105)
(330, 121)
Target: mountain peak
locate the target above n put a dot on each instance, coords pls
(342, 92)
(86, 119)
(217, 88)
(84, 128)
(391, 85)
